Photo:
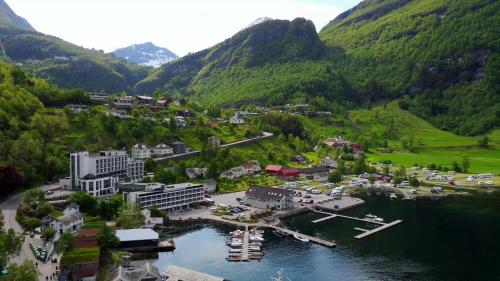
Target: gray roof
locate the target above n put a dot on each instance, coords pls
(137, 234)
(145, 272)
(267, 193)
(175, 273)
(70, 217)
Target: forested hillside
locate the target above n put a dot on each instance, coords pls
(442, 55)
(63, 63)
(440, 58)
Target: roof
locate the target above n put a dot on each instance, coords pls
(162, 145)
(73, 205)
(267, 193)
(145, 272)
(175, 273)
(177, 143)
(137, 234)
(275, 168)
(287, 171)
(70, 217)
(140, 146)
(314, 170)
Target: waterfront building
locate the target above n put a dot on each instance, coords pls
(140, 151)
(145, 272)
(264, 197)
(138, 238)
(175, 273)
(170, 198)
(98, 173)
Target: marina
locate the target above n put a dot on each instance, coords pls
(371, 219)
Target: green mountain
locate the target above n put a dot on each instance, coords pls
(443, 56)
(270, 62)
(8, 17)
(63, 63)
(440, 58)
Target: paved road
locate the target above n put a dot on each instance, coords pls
(9, 210)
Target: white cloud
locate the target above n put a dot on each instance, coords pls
(181, 25)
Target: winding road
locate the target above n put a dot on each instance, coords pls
(9, 210)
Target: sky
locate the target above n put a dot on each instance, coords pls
(182, 26)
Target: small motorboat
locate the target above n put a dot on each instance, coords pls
(373, 218)
(300, 238)
(233, 251)
(393, 196)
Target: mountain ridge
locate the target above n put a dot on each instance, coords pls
(9, 17)
(146, 54)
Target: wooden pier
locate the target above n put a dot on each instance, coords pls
(246, 239)
(366, 232)
(313, 239)
(375, 230)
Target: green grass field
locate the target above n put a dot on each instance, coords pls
(433, 145)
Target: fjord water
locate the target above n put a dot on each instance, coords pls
(450, 239)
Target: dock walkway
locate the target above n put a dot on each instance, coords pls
(313, 239)
(246, 238)
(380, 228)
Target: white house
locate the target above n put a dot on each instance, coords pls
(236, 119)
(149, 220)
(180, 121)
(162, 150)
(71, 221)
(210, 185)
(141, 151)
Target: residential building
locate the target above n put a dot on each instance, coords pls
(98, 97)
(180, 121)
(264, 197)
(309, 173)
(329, 163)
(118, 113)
(162, 150)
(175, 273)
(210, 186)
(77, 108)
(98, 174)
(213, 142)
(245, 169)
(124, 102)
(140, 151)
(273, 169)
(144, 100)
(237, 119)
(179, 147)
(137, 238)
(71, 221)
(299, 159)
(169, 198)
(194, 173)
(145, 272)
(288, 173)
(252, 167)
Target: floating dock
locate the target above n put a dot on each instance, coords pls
(246, 239)
(366, 232)
(380, 228)
(313, 239)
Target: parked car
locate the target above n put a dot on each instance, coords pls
(307, 196)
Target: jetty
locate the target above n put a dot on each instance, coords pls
(246, 239)
(366, 232)
(313, 239)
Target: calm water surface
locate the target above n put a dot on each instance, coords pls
(451, 239)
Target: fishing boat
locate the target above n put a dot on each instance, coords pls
(300, 238)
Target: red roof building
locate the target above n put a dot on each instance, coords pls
(273, 169)
(289, 173)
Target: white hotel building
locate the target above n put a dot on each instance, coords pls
(169, 198)
(98, 173)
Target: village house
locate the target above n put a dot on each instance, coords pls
(98, 97)
(245, 169)
(77, 108)
(264, 197)
(71, 221)
(180, 121)
(118, 113)
(163, 102)
(179, 147)
(162, 150)
(210, 186)
(194, 173)
(237, 119)
(233, 173)
(313, 172)
(144, 100)
(298, 159)
(213, 142)
(126, 102)
(329, 163)
(185, 113)
(337, 142)
(140, 151)
(288, 173)
(273, 169)
(252, 167)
